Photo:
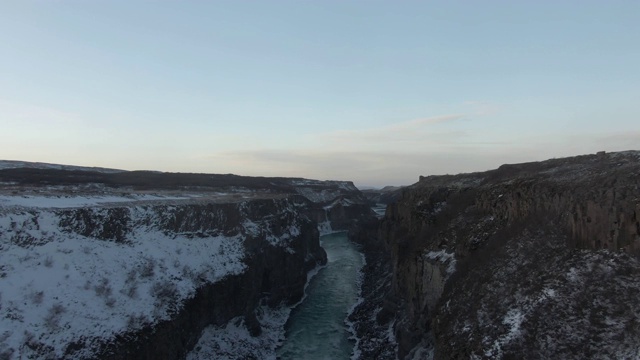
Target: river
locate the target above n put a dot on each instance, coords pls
(316, 328)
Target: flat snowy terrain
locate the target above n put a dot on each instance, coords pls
(59, 286)
(79, 201)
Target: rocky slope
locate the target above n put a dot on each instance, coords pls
(136, 265)
(532, 261)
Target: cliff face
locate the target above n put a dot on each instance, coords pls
(386, 195)
(372, 317)
(141, 281)
(335, 205)
(108, 264)
(274, 276)
(521, 261)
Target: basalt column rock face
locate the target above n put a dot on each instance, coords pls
(141, 280)
(536, 260)
(373, 316)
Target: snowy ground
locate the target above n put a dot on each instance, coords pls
(91, 195)
(59, 286)
(233, 341)
(62, 202)
(319, 196)
(444, 258)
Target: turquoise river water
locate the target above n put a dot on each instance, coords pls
(316, 328)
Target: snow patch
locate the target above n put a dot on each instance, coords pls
(319, 195)
(513, 319)
(325, 228)
(422, 351)
(445, 258)
(380, 210)
(341, 201)
(234, 341)
(61, 202)
(549, 293)
(59, 287)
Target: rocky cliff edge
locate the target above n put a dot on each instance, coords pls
(528, 261)
(136, 265)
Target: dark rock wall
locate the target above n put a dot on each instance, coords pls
(342, 212)
(386, 195)
(469, 223)
(275, 275)
(373, 318)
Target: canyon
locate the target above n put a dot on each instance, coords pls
(136, 265)
(532, 261)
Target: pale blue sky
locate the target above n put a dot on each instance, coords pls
(378, 92)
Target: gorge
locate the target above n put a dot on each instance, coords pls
(137, 264)
(531, 261)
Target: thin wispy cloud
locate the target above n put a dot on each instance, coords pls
(400, 164)
(411, 130)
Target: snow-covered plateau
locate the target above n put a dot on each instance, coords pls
(77, 274)
(110, 264)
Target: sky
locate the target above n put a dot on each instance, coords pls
(377, 92)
